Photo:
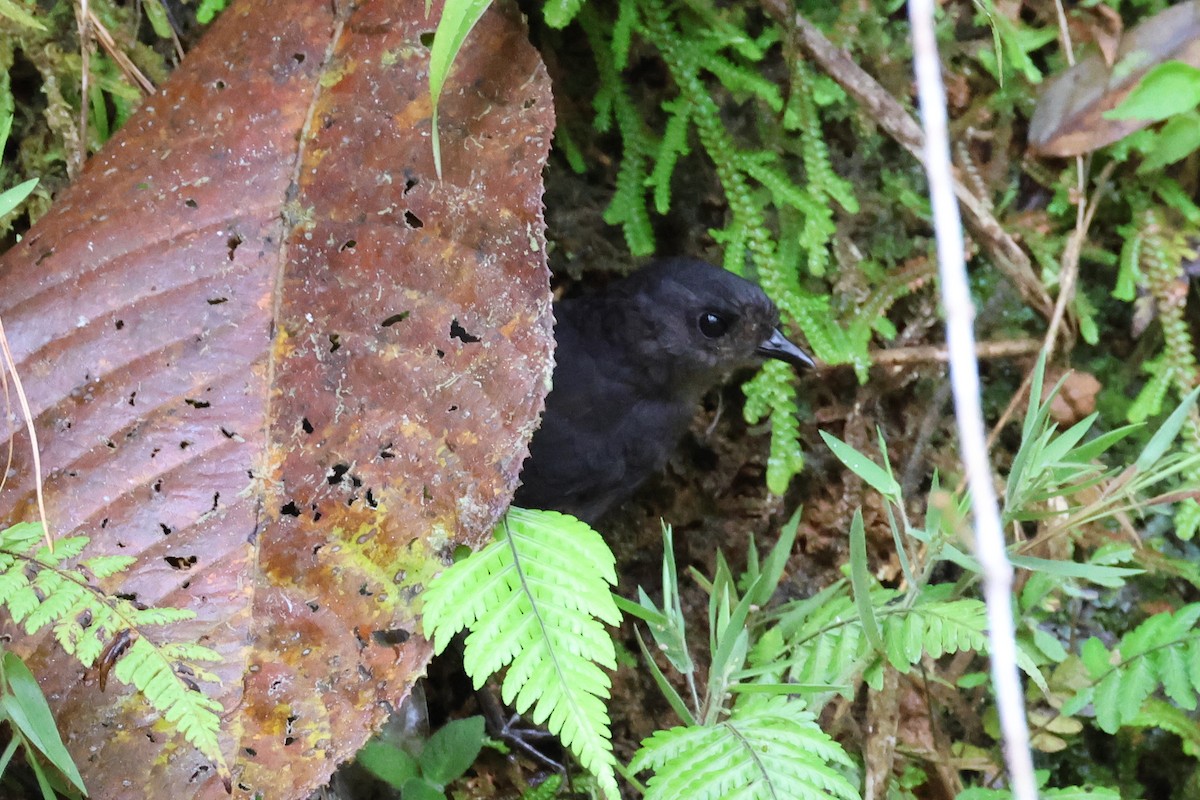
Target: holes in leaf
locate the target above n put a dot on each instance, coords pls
(290, 509)
(412, 220)
(298, 57)
(529, 103)
(119, 324)
(232, 244)
(219, 85)
(180, 562)
(452, 409)
(335, 342)
(45, 254)
(440, 353)
(158, 485)
(110, 444)
(166, 529)
(426, 38)
(386, 451)
(371, 501)
(216, 501)
(410, 183)
(228, 434)
(185, 444)
(197, 403)
(216, 301)
(131, 401)
(305, 425)
(395, 318)
(190, 203)
(335, 475)
(349, 244)
(391, 637)
(250, 751)
(104, 523)
(457, 331)
(313, 606)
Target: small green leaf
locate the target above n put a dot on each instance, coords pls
(458, 18)
(1096, 573)
(1166, 434)
(387, 762)
(1170, 88)
(28, 710)
(207, 11)
(877, 478)
(860, 578)
(11, 198)
(452, 750)
(158, 18)
(420, 789)
(1179, 138)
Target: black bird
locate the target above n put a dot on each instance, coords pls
(631, 364)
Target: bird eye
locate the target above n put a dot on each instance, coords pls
(712, 325)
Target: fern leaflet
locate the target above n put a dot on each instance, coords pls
(1164, 651)
(770, 747)
(38, 590)
(534, 601)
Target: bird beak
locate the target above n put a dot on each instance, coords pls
(777, 346)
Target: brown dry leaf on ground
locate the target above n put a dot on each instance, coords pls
(275, 359)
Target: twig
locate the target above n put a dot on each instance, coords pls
(964, 376)
(118, 55)
(9, 363)
(1005, 253)
(82, 20)
(937, 353)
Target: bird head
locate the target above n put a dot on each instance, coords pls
(695, 322)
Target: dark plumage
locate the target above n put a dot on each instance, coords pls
(631, 364)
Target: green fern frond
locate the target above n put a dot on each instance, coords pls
(772, 393)
(745, 81)
(560, 13)
(196, 715)
(1160, 714)
(673, 145)
(829, 646)
(1153, 395)
(1164, 247)
(1129, 273)
(622, 32)
(712, 30)
(613, 104)
(38, 589)
(765, 168)
(534, 601)
(102, 567)
(933, 629)
(1163, 652)
(804, 119)
(770, 747)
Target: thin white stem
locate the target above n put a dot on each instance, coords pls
(964, 378)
